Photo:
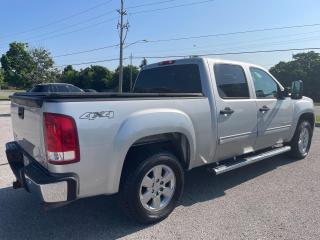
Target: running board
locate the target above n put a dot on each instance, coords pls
(248, 160)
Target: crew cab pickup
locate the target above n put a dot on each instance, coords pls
(182, 114)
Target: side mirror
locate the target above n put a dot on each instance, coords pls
(297, 89)
(286, 92)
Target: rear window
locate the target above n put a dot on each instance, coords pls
(169, 79)
(65, 88)
(40, 88)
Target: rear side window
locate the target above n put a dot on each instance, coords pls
(231, 81)
(169, 79)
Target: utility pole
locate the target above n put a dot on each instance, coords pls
(131, 72)
(123, 30)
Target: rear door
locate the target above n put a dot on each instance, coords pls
(236, 111)
(274, 112)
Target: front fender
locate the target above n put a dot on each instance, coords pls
(146, 123)
(301, 106)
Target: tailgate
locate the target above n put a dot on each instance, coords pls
(27, 125)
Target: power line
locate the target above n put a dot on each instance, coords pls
(231, 53)
(89, 19)
(201, 36)
(236, 33)
(150, 4)
(171, 7)
(91, 62)
(72, 25)
(78, 30)
(199, 55)
(86, 51)
(254, 42)
(62, 19)
(73, 31)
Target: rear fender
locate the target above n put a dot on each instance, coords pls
(147, 123)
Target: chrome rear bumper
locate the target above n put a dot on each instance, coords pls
(50, 187)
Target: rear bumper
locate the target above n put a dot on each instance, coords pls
(34, 178)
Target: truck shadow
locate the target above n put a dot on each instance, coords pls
(21, 216)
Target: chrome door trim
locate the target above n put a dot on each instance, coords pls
(230, 138)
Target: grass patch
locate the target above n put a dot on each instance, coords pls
(318, 119)
(317, 104)
(4, 94)
(4, 98)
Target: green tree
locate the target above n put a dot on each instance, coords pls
(70, 75)
(1, 78)
(24, 67)
(16, 64)
(126, 78)
(95, 77)
(144, 62)
(42, 69)
(304, 66)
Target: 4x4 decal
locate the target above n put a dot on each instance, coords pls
(95, 115)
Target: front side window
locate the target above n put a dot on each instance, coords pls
(231, 81)
(264, 84)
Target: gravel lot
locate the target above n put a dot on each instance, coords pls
(278, 198)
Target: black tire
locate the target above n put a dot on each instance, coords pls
(295, 150)
(130, 186)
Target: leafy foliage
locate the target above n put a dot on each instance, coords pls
(304, 66)
(16, 64)
(98, 77)
(144, 62)
(1, 78)
(42, 69)
(126, 77)
(24, 67)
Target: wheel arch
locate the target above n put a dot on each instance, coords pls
(308, 115)
(172, 131)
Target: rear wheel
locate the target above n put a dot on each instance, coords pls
(301, 141)
(153, 188)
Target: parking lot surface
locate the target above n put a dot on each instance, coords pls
(278, 198)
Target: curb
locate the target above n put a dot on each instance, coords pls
(5, 115)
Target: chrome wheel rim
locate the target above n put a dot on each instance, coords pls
(157, 188)
(303, 140)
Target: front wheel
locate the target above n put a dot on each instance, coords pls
(301, 141)
(151, 191)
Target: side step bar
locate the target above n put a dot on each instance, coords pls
(249, 160)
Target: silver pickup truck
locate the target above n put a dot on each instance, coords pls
(181, 115)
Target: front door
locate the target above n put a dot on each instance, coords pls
(274, 112)
(236, 112)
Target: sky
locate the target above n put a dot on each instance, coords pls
(64, 27)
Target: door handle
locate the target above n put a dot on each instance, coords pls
(264, 109)
(226, 111)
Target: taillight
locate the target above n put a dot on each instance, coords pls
(61, 139)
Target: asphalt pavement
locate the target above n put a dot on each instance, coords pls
(278, 198)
